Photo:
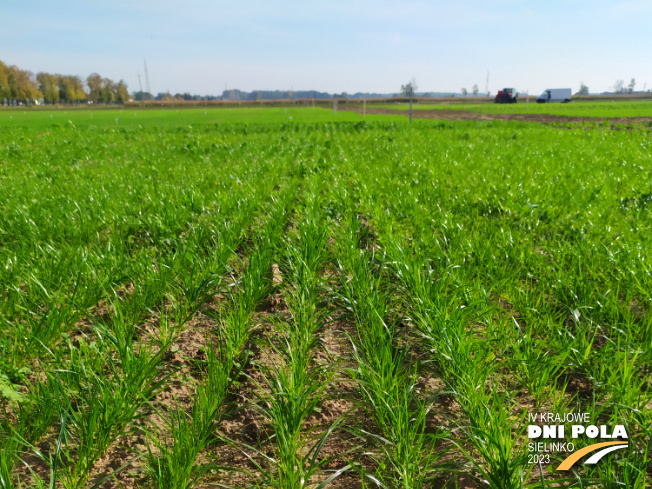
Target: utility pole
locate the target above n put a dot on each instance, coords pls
(411, 93)
(141, 90)
(146, 77)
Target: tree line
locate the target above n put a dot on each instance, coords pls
(18, 85)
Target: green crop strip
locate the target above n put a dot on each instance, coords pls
(172, 464)
(601, 109)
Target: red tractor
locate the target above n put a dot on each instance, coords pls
(506, 96)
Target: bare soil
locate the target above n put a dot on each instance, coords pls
(465, 115)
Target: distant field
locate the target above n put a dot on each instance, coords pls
(43, 118)
(227, 298)
(164, 117)
(602, 109)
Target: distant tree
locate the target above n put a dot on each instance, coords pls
(108, 91)
(94, 83)
(121, 92)
(77, 82)
(66, 90)
(619, 86)
(22, 84)
(71, 89)
(4, 81)
(140, 96)
(48, 84)
(409, 89)
(464, 92)
(475, 90)
(631, 86)
(584, 90)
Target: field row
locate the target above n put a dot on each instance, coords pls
(55, 118)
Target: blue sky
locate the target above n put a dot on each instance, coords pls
(202, 46)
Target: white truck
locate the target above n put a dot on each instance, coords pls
(551, 95)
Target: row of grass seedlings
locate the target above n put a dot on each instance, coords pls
(171, 460)
(601, 341)
(151, 281)
(171, 463)
(35, 410)
(610, 367)
(621, 398)
(83, 236)
(293, 384)
(626, 401)
(67, 240)
(27, 421)
(110, 379)
(527, 355)
(51, 396)
(195, 285)
(106, 380)
(566, 244)
(110, 395)
(521, 321)
(610, 277)
(434, 296)
(45, 310)
(386, 374)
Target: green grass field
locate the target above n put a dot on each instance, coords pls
(231, 298)
(642, 108)
(42, 118)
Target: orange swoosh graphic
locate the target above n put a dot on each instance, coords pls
(575, 456)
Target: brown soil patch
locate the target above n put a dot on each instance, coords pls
(465, 115)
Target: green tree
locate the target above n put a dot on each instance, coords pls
(464, 92)
(4, 81)
(66, 89)
(121, 92)
(94, 83)
(475, 90)
(619, 86)
(584, 90)
(80, 94)
(22, 85)
(107, 91)
(409, 89)
(141, 96)
(48, 84)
